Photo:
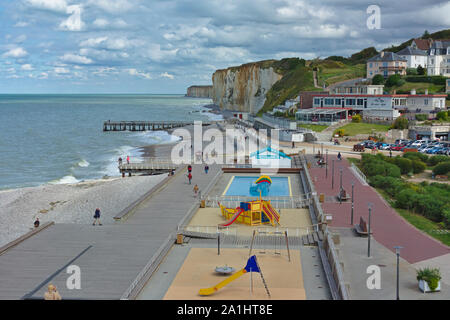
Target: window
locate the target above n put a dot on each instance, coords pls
(370, 65)
(350, 102)
(329, 102)
(426, 102)
(360, 102)
(316, 101)
(371, 73)
(385, 64)
(337, 102)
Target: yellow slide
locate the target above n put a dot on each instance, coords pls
(208, 291)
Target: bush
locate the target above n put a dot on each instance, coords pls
(420, 70)
(400, 123)
(412, 71)
(446, 217)
(431, 276)
(432, 161)
(356, 118)
(394, 80)
(442, 115)
(340, 132)
(378, 79)
(415, 156)
(442, 168)
(421, 117)
(404, 164)
(437, 80)
(405, 199)
(418, 166)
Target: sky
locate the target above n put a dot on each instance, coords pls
(164, 46)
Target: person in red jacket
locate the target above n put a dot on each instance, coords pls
(189, 177)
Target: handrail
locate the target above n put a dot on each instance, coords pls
(359, 172)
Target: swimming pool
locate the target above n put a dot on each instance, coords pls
(240, 186)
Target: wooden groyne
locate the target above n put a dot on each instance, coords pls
(147, 125)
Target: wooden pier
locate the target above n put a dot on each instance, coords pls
(147, 125)
(147, 167)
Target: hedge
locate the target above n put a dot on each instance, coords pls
(432, 161)
(437, 80)
(418, 166)
(442, 168)
(416, 156)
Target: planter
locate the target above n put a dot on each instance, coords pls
(423, 286)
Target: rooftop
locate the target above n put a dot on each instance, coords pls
(409, 51)
(386, 56)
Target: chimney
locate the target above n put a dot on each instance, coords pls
(382, 54)
(413, 91)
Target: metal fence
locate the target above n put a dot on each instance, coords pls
(359, 173)
(302, 201)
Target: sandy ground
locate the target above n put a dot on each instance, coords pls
(198, 272)
(68, 203)
(289, 218)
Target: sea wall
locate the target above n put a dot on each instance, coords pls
(243, 88)
(199, 91)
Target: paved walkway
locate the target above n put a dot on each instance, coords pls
(110, 256)
(389, 228)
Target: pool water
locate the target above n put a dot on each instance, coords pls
(240, 186)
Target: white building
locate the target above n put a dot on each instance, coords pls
(356, 86)
(414, 57)
(439, 58)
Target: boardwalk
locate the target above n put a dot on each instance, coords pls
(389, 228)
(146, 125)
(110, 256)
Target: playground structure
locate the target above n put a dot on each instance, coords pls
(261, 186)
(271, 238)
(252, 266)
(253, 213)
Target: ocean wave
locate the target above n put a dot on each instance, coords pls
(65, 180)
(111, 167)
(156, 137)
(83, 163)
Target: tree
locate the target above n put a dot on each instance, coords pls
(400, 123)
(420, 70)
(394, 80)
(426, 35)
(442, 115)
(378, 79)
(356, 118)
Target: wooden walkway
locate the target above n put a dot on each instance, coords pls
(109, 256)
(149, 167)
(146, 125)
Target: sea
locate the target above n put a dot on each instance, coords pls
(59, 139)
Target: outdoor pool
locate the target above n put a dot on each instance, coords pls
(240, 186)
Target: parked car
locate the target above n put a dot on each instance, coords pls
(396, 147)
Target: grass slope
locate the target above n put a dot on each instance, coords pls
(353, 129)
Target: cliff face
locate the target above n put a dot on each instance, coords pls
(243, 88)
(199, 91)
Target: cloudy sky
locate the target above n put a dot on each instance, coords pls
(163, 46)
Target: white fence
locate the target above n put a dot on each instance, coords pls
(276, 202)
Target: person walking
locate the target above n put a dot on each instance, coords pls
(52, 293)
(120, 161)
(189, 168)
(206, 169)
(37, 223)
(196, 188)
(128, 159)
(339, 156)
(189, 177)
(97, 217)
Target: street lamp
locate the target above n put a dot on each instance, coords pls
(397, 252)
(326, 166)
(340, 188)
(332, 175)
(368, 234)
(353, 202)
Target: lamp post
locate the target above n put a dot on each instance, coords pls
(340, 188)
(321, 153)
(332, 175)
(368, 231)
(326, 166)
(397, 252)
(353, 202)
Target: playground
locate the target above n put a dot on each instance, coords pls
(284, 279)
(292, 219)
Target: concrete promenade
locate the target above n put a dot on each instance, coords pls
(109, 256)
(388, 227)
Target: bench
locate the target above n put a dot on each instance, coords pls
(359, 148)
(361, 228)
(343, 196)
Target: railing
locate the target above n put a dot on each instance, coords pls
(301, 201)
(207, 229)
(140, 280)
(336, 268)
(359, 173)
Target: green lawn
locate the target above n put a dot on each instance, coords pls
(333, 72)
(314, 127)
(353, 129)
(419, 86)
(431, 228)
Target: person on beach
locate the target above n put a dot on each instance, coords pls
(196, 188)
(97, 217)
(120, 161)
(128, 159)
(52, 293)
(189, 177)
(339, 156)
(206, 169)
(37, 223)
